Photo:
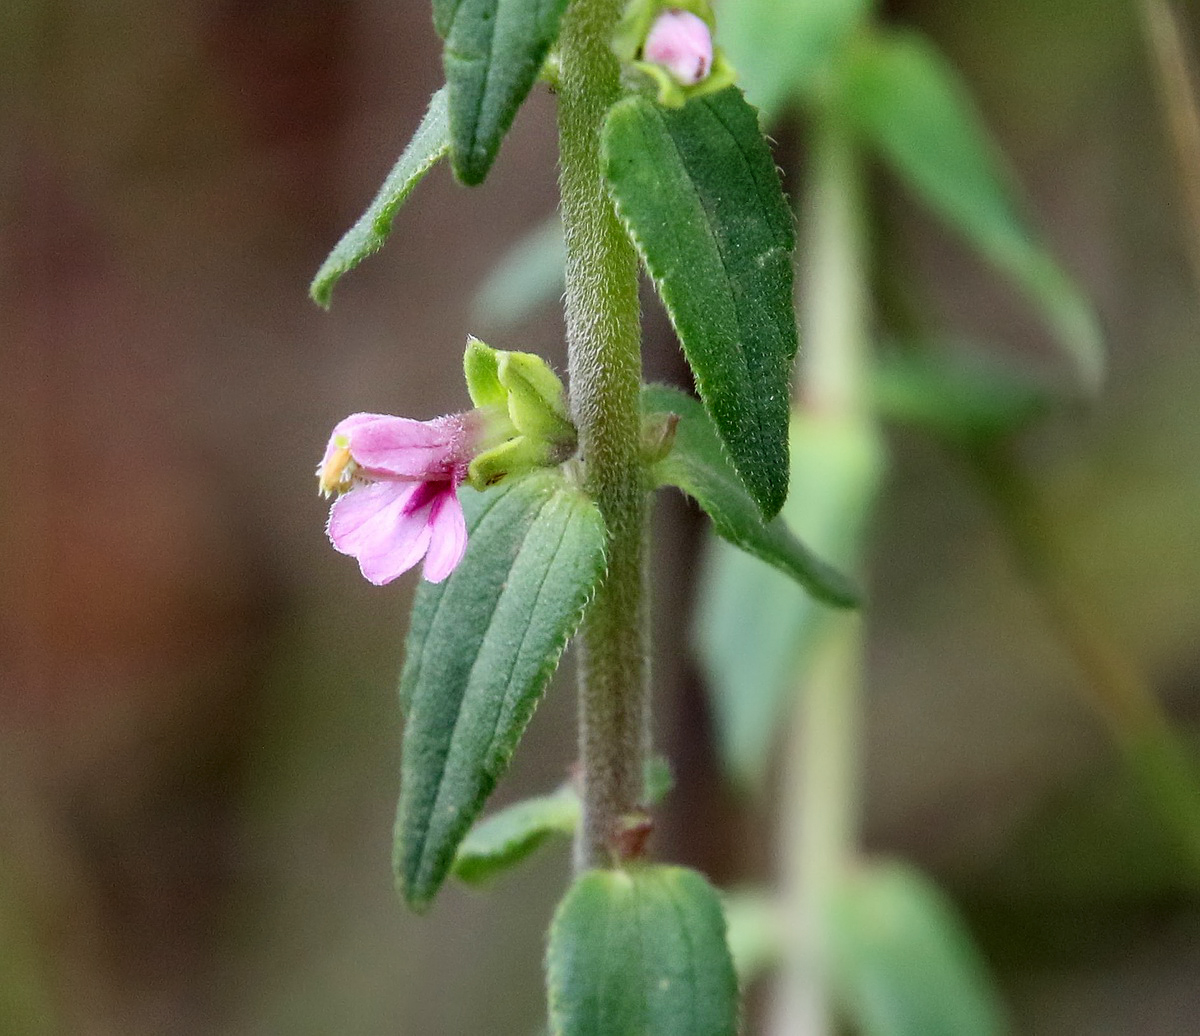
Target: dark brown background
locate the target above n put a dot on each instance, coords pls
(198, 732)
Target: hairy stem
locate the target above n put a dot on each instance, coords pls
(603, 339)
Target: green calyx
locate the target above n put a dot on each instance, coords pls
(524, 409)
(630, 37)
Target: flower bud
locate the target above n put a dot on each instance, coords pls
(680, 42)
(668, 46)
(537, 402)
(524, 406)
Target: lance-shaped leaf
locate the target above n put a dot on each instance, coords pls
(641, 951)
(494, 52)
(961, 397)
(429, 143)
(910, 103)
(903, 963)
(480, 651)
(698, 191)
(697, 465)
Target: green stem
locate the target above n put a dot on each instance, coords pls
(604, 358)
(821, 826)
(834, 302)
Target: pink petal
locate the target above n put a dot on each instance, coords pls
(343, 428)
(401, 448)
(404, 554)
(681, 42)
(373, 523)
(448, 536)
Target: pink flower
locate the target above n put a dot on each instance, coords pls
(398, 481)
(681, 43)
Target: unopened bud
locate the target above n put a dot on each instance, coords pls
(681, 43)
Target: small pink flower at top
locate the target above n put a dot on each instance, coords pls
(681, 43)
(397, 482)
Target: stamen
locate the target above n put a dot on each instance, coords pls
(336, 475)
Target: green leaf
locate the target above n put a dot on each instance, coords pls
(697, 465)
(903, 962)
(480, 651)
(698, 191)
(528, 276)
(429, 143)
(756, 636)
(781, 49)
(909, 102)
(641, 951)
(504, 839)
(961, 397)
(494, 53)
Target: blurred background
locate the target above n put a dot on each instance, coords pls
(198, 727)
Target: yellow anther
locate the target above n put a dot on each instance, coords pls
(336, 475)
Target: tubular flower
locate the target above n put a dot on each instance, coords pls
(397, 481)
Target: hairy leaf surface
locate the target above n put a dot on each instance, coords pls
(641, 951)
(480, 651)
(429, 143)
(494, 52)
(698, 465)
(698, 191)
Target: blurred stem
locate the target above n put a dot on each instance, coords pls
(604, 358)
(1119, 690)
(821, 822)
(1177, 90)
(834, 292)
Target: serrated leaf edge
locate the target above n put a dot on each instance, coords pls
(495, 765)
